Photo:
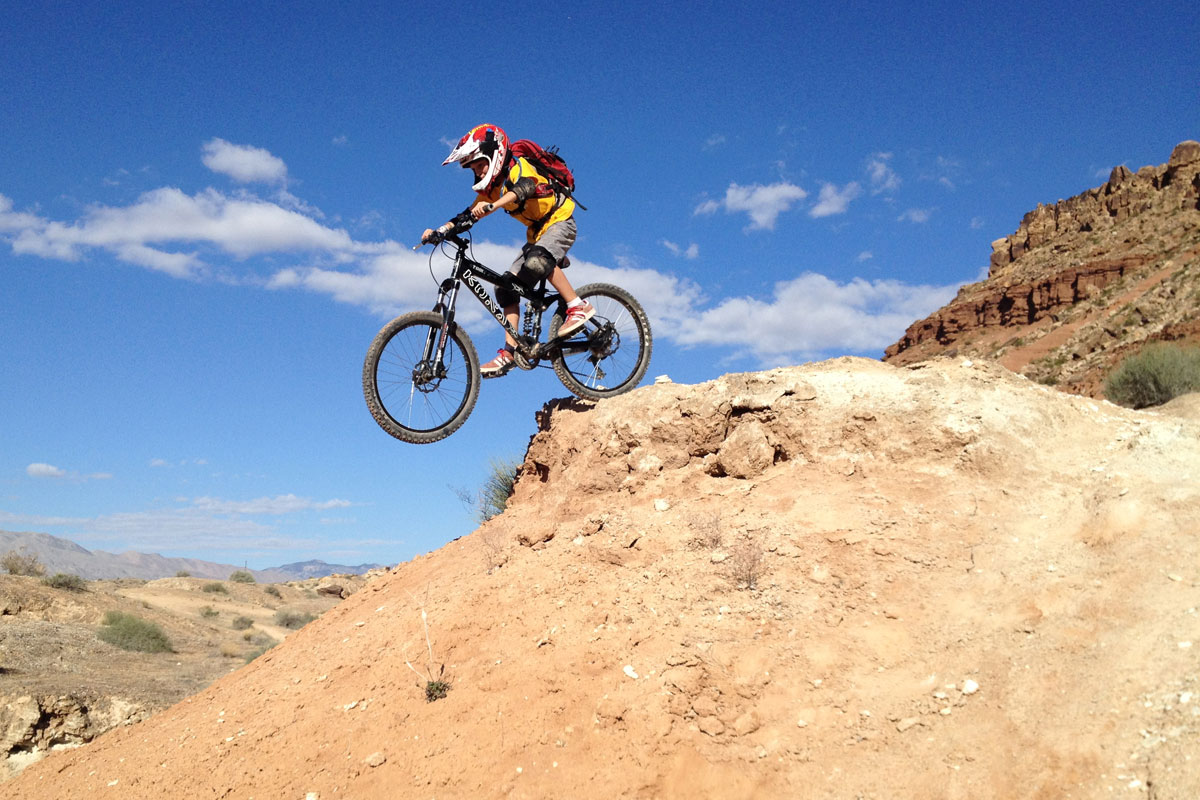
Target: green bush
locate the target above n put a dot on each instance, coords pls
(273, 591)
(215, 587)
(292, 619)
(491, 499)
(242, 576)
(183, 573)
(258, 651)
(61, 580)
(1156, 374)
(208, 612)
(242, 623)
(134, 633)
(17, 563)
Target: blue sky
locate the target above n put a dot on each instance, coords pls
(206, 212)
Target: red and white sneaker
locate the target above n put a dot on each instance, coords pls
(500, 365)
(576, 317)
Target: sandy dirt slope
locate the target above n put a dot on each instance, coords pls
(964, 585)
(61, 686)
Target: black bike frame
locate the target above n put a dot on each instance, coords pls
(473, 274)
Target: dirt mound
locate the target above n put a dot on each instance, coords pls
(1186, 406)
(841, 580)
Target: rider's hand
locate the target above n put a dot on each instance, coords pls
(481, 209)
(431, 235)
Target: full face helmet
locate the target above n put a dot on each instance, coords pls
(483, 141)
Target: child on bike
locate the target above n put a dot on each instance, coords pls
(511, 183)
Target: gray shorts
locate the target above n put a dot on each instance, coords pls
(556, 240)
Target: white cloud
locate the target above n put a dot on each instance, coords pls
(865, 255)
(387, 283)
(241, 226)
(163, 531)
(812, 315)
(883, 177)
(176, 233)
(280, 504)
(203, 523)
(916, 215)
(763, 204)
(714, 141)
(689, 252)
(832, 200)
(40, 470)
(11, 221)
(243, 163)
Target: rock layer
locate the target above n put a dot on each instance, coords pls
(1083, 282)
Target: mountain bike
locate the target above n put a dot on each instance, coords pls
(421, 374)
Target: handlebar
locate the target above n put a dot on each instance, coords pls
(460, 224)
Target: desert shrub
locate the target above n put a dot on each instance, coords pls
(436, 682)
(241, 576)
(261, 639)
(215, 587)
(497, 487)
(183, 573)
(493, 541)
(490, 499)
(273, 591)
(258, 651)
(286, 618)
(1156, 374)
(745, 562)
(242, 623)
(436, 688)
(15, 562)
(230, 650)
(706, 531)
(61, 580)
(208, 612)
(134, 633)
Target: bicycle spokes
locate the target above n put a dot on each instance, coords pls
(609, 355)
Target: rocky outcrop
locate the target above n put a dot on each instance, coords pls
(33, 725)
(1082, 282)
(1165, 189)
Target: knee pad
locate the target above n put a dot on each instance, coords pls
(539, 262)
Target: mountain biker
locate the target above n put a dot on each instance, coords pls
(508, 182)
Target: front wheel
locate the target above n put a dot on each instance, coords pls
(610, 354)
(412, 394)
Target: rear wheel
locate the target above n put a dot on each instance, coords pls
(411, 394)
(610, 354)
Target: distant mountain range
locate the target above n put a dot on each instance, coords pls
(63, 555)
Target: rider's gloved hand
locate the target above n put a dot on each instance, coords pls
(434, 235)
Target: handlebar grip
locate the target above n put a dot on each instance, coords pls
(460, 224)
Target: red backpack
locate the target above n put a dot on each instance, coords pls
(550, 164)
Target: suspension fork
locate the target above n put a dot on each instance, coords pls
(435, 341)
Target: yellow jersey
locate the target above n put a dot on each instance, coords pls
(543, 206)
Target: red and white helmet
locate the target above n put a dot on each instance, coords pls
(483, 141)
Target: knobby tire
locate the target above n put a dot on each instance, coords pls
(412, 400)
(610, 355)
